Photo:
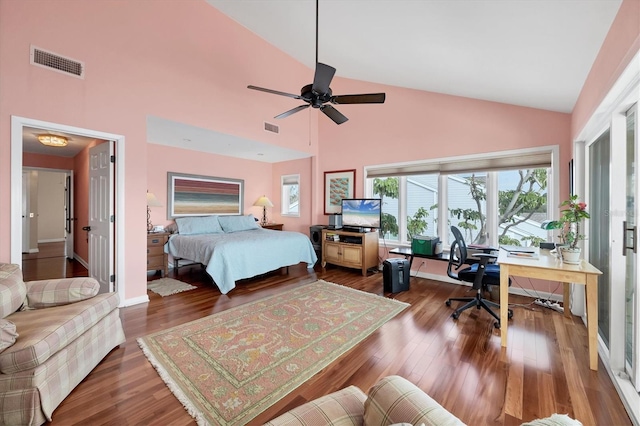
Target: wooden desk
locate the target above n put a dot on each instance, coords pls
(548, 267)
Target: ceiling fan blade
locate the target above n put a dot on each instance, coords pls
(292, 111)
(275, 92)
(333, 114)
(369, 98)
(322, 78)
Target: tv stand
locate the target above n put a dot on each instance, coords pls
(350, 249)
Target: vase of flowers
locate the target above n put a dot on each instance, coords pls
(569, 225)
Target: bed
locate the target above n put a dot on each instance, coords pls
(236, 247)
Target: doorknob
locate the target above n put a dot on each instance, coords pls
(86, 228)
(625, 233)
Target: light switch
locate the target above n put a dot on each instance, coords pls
(30, 214)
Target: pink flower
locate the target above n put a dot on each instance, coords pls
(582, 206)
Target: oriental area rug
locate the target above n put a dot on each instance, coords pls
(229, 367)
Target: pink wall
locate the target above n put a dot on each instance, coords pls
(46, 161)
(304, 169)
(162, 159)
(621, 44)
(198, 75)
(414, 125)
(136, 67)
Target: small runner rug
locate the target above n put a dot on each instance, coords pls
(168, 286)
(229, 367)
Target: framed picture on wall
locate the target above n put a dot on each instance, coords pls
(338, 185)
(196, 195)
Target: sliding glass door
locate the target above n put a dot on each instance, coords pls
(631, 325)
(599, 237)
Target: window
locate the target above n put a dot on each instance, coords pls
(290, 195)
(503, 204)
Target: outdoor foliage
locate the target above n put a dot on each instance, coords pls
(514, 206)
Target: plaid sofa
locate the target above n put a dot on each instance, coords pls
(52, 334)
(392, 401)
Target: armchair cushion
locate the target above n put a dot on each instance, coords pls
(394, 399)
(344, 408)
(45, 335)
(48, 293)
(8, 334)
(12, 289)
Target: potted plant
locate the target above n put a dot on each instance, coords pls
(569, 225)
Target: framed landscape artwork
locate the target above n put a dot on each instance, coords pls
(196, 195)
(338, 185)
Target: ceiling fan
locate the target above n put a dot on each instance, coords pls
(319, 95)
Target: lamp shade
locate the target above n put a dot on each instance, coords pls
(152, 201)
(263, 202)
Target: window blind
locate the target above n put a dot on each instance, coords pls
(459, 165)
(290, 180)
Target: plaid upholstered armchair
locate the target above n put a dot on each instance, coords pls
(52, 334)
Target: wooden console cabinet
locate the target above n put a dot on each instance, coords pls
(357, 250)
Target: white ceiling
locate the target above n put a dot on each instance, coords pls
(534, 53)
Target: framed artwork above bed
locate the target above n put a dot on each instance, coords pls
(197, 195)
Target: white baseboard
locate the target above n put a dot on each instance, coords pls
(135, 301)
(512, 290)
(51, 240)
(81, 260)
(33, 250)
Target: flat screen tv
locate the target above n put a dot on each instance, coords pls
(361, 213)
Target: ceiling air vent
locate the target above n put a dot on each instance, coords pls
(271, 128)
(56, 62)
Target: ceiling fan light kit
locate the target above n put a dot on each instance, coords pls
(319, 95)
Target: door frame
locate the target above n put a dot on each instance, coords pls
(611, 114)
(17, 125)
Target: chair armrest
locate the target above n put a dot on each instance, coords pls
(397, 400)
(483, 256)
(49, 293)
(345, 406)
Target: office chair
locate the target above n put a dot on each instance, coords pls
(479, 272)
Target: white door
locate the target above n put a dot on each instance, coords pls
(68, 215)
(101, 215)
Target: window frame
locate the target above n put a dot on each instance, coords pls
(285, 182)
(497, 161)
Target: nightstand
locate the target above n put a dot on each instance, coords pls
(157, 259)
(274, 226)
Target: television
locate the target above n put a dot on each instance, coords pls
(359, 213)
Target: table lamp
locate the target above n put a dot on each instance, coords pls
(152, 201)
(263, 202)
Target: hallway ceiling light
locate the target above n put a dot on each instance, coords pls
(53, 140)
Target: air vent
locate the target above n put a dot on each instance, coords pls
(56, 62)
(271, 128)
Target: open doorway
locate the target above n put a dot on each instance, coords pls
(48, 224)
(20, 126)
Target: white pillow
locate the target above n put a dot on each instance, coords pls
(238, 223)
(192, 225)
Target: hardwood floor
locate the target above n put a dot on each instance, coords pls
(49, 263)
(544, 370)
